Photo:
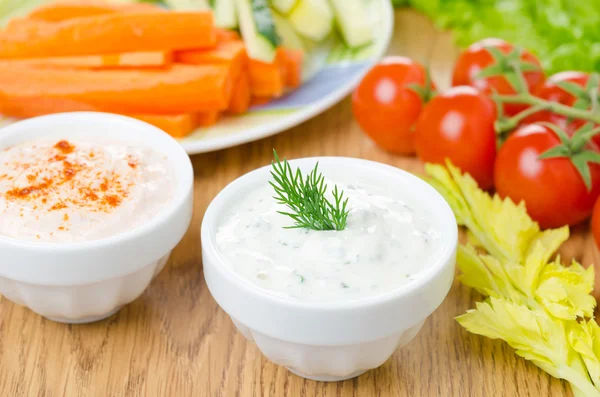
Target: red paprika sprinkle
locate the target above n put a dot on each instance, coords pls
(75, 185)
(65, 147)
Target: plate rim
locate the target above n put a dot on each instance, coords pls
(299, 116)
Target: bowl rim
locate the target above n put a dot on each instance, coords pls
(443, 259)
(182, 171)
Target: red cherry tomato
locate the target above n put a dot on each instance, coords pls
(551, 91)
(553, 190)
(384, 105)
(459, 125)
(596, 223)
(476, 57)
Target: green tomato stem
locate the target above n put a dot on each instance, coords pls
(508, 124)
(523, 88)
(594, 96)
(554, 107)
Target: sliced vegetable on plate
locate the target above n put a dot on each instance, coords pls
(106, 61)
(241, 96)
(189, 5)
(157, 53)
(258, 29)
(225, 12)
(58, 11)
(353, 20)
(284, 6)
(288, 36)
(313, 19)
(189, 88)
(105, 34)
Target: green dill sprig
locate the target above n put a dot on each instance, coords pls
(305, 198)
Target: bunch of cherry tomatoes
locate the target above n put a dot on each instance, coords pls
(396, 105)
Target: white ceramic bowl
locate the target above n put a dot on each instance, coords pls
(336, 340)
(87, 281)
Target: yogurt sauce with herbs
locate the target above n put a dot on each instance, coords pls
(387, 243)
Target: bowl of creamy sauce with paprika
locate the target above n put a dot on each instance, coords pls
(70, 190)
(331, 304)
(91, 206)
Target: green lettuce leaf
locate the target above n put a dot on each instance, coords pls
(563, 33)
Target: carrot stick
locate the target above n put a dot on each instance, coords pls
(227, 35)
(108, 33)
(177, 125)
(206, 119)
(107, 61)
(178, 89)
(267, 79)
(63, 10)
(240, 99)
(259, 101)
(293, 66)
(232, 53)
(31, 106)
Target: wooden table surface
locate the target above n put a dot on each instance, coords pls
(175, 341)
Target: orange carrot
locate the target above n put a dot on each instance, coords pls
(32, 106)
(259, 101)
(232, 53)
(177, 125)
(110, 33)
(178, 89)
(267, 79)
(63, 10)
(206, 119)
(107, 61)
(293, 66)
(227, 35)
(240, 99)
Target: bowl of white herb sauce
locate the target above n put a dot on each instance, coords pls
(329, 264)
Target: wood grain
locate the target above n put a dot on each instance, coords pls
(175, 341)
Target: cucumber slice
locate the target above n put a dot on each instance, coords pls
(313, 19)
(225, 13)
(258, 29)
(190, 5)
(283, 6)
(289, 37)
(353, 20)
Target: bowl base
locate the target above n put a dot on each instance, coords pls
(84, 320)
(328, 378)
